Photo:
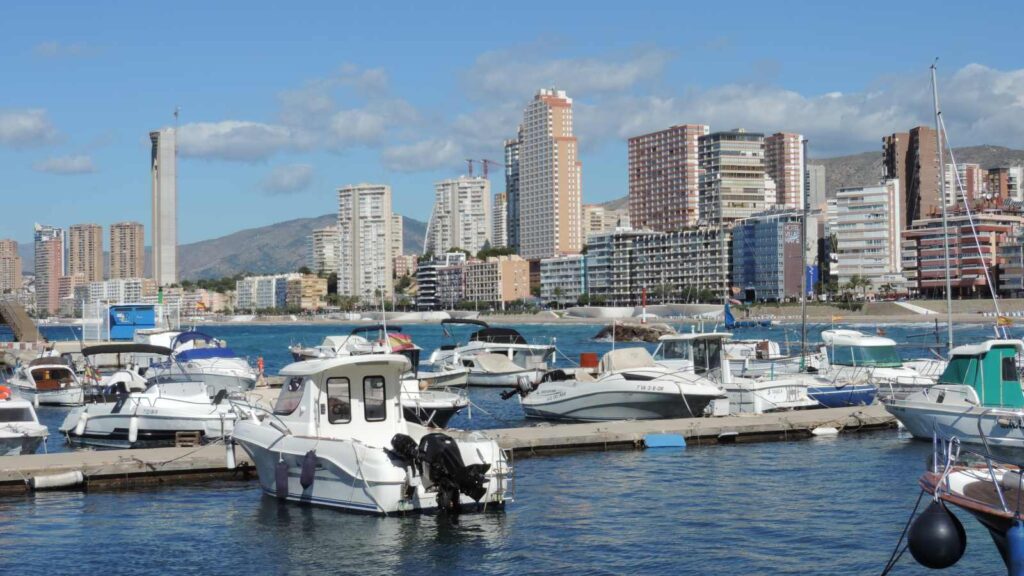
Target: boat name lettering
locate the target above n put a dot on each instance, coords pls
(650, 388)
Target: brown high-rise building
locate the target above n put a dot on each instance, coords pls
(85, 251)
(127, 250)
(912, 158)
(664, 178)
(784, 163)
(10, 267)
(49, 267)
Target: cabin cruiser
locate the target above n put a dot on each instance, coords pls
(20, 430)
(389, 338)
(627, 385)
(199, 354)
(978, 395)
(48, 381)
(524, 359)
(706, 354)
(756, 358)
(853, 355)
(337, 438)
(153, 417)
(127, 374)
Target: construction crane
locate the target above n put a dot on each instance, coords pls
(469, 164)
(487, 163)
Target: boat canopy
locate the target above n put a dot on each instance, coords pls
(991, 369)
(126, 348)
(51, 361)
(498, 336)
(205, 354)
(854, 338)
(627, 359)
(465, 321)
(376, 328)
(186, 337)
(496, 363)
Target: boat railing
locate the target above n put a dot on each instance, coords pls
(950, 454)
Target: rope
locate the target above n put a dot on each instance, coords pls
(895, 556)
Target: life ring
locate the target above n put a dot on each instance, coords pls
(5, 393)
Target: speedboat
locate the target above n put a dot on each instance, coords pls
(627, 385)
(336, 437)
(979, 395)
(20, 430)
(496, 370)
(48, 381)
(198, 354)
(706, 354)
(154, 417)
(756, 358)
(853, 355)
(353, 343)
(127, 374)
(493, 341)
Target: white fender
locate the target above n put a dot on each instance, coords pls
(133, 429)
(83, 420)
(229, 454)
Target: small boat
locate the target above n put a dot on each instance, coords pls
(755, 358)
(196, 354)
(20, 430)
(853, 355)
(353, 343)
(48, 381)
(496, 370)
(429, 407)
(978, 395)
(493, 341)
(452, 378)
(128, 373)
(627, 385)
(336, 438)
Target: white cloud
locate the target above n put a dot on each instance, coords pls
(239, 140)
(422, 156)
(288, 179)
(370, 81)
(25, 127)
(79, 164)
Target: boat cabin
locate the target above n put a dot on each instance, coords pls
(15, 411)
(344, 397)
(990, 368)
(51, 373)
(699, 352)
(853, 348)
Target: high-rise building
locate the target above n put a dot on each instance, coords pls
(397, 238)
(867, 233)
(10, 267)
(49, 267)
(550, 187)
(164, 170)
(817, 194)
(323, 250)
(664, 178)
(766, 258)
(85, 251)
(499, 220)
(911, 158)
(365, 255)
(461, 217)
(732, 186)
(970, 177)
(1005, 183)
(784, 163)
(512, 190)
(497, 280)
(44, 232)
(563, 279)
(127, 250)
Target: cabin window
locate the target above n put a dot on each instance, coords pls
(290, 397)
(1009, 369)
(706, 356)
(16, 415)
(339, 401)
(673, 350)
(373, 398)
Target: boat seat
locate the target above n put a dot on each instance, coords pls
(627, 359)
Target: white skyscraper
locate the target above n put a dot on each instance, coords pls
(461, 217)
(163, 168)
(499, 220)
(365, 241)
(323, 250)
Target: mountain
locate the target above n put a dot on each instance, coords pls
(617, 204)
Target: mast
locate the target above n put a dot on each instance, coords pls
(942, 203)
(803, 263)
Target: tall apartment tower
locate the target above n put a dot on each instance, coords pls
(732, 186)
(550, 187)
(911, 158)
(784, 163)
(323, 250)
(164, 171)
(499, 220)
(461, 217)
(970, 177)
(664, 178)
(10, 267)
(85, 251)
(127, 250)
(49, 267)
(365, 242)
(815, 190)
(512, 190)
(397, 236)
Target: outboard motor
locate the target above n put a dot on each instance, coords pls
(523, 387)
(440, 458)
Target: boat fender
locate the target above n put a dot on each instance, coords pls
(55, 481)
(308, 473)
(937, 539)
(229, 454)
(1015, 549)
(281, 479)
(133, 429)
(83, 419)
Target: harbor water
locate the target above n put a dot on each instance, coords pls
(821, 506)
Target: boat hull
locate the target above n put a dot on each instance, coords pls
(843, 396)
(444, 379)
(18, 445)
(600, 406)
(503, 380)
(156, 427)
(923, 421)
(71, 396)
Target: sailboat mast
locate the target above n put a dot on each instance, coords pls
(803, 263)
(942, 203)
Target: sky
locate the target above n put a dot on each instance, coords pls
(282, 103)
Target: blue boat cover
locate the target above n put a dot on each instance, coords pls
(205, 353)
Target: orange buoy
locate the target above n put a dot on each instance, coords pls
(5, 393)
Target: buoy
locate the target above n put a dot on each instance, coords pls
(1015, 549)
(52, 481)
(83, 418)
(308, 469)
(281, 479)
(229, 454)
(825, 431)
(133, 429)
(937, 538)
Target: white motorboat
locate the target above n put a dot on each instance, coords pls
(706, 354)
(452, 378)
(978, 395)
(127, 374)
(198, 355)
(152, 418)
(48, 381)
(764, 358)
(627, 385)
(353, 343)
(20, 430)
(494, 341)
(496, 370)
(430, 407)
(337, 437)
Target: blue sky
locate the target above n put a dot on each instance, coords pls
(282, 103)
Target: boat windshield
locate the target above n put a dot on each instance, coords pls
(19, 414)
(290, 397)
(673, 350)
(877, 356)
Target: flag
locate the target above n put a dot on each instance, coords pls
(836, 318)
(1004, 321)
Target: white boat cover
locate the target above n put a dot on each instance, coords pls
(627, 359)
(496, 363)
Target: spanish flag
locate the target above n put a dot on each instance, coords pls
(837, 318)
(1004, 321)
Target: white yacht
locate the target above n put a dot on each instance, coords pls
(197, 355)
(338, 437)
(20, 430)
(757, 358)
(48, 381)
(353, 343)
(524, 359)
(706, 354)
(627, 385)
(855, 356)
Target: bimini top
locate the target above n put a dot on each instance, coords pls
(186, 337)
(696, 336)
(318, 365)
(498, 336)
(854, 338)
(125, 348)
(986, 346)
(465, 321)
(205, 354)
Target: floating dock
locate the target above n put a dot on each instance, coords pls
(106, 469)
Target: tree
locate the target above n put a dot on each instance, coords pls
(305, 270)
(558, 292)
(486, 252)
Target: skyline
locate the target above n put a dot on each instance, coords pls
(269, 130)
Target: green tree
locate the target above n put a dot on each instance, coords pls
(305, 270)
